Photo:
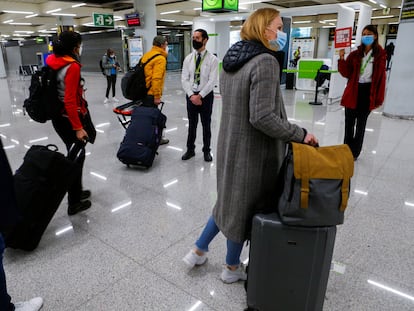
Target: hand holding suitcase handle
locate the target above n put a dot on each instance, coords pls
(77, 150)
(81, 135)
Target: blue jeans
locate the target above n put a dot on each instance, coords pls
(5, 299)
(210, 231)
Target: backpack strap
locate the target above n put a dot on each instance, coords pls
(150, 59)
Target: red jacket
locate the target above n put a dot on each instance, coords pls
(73, 92)
(350, 69)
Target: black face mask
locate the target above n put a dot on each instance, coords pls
(197, 45)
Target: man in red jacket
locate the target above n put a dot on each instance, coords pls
(365, 91)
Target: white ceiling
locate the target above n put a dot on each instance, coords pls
(46, 22)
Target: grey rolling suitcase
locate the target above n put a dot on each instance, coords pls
(288, 266)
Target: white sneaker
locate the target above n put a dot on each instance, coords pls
(34, 304)
(192, 259)
(114, 99)
(228, 276)
(106, 101)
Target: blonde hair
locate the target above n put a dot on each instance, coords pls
(255, 25)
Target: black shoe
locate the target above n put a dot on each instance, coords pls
(208, 157)
(188, 155)
(164, 141)
(79, 207)
(85, 194)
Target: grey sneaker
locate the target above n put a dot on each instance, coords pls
(34, 304)
(192, 259)
(228, 276)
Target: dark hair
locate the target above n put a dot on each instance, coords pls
(375, 45)
(66, 42)
(204, 33)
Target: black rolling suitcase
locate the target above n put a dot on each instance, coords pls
(142, 137)
(40, 183)
(288, 266)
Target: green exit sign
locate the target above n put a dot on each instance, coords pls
(219, 6)
(103, 20)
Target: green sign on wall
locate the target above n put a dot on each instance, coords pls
(218, 6)
(103, 20)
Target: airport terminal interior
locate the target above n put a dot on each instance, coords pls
(125, 252)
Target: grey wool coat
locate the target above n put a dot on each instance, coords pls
(252, 138)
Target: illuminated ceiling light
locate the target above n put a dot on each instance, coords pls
(383, 6)
(29, 16)
(302, 22)
(197, 9)
(373, 1)
(409, 204)
(17, 12)
(8, 21)
(63, 14)
(53, 11)
(23, 31)
(252, 2)
(170, 12)
(168, 20)
(386, 16)
(22, 24)
(78, 5)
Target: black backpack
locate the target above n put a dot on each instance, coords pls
(102, 68)
(133, 84)
(43, 102)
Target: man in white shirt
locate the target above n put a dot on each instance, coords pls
(198, 78)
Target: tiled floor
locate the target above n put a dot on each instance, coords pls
(129, 258)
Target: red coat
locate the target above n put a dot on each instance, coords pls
(350, 69)
(74, 92)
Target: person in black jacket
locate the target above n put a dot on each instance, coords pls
(8, 217)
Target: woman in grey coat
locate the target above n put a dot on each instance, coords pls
(254, 131)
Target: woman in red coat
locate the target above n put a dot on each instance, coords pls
(365, 91)
(74, 124)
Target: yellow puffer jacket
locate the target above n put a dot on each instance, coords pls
(155, 71)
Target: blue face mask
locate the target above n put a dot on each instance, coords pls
(280, 41)
(367, 40)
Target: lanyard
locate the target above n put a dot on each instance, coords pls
(365, 64)
(197, 70)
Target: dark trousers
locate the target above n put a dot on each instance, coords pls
(64, 129)
(5, 299)
(110, 81)
(205, 111)
(356, 120)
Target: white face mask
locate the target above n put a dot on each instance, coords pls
(166, 49)
(112, 55)
(80, 50)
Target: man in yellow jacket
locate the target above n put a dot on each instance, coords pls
(155, 72)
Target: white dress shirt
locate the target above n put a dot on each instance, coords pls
(208, 73)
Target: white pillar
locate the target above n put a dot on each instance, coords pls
(323, 41)
(400, 93)
(148, 28)
(346, 17)
(2, 67)
(223, 38)
(364, 18)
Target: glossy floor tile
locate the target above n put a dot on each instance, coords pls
(125, 252)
